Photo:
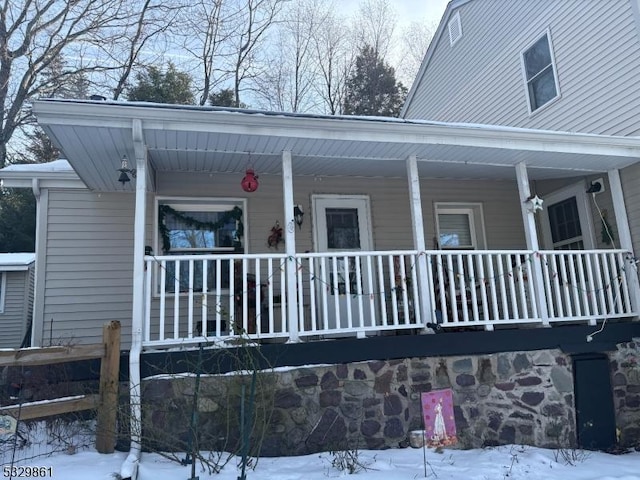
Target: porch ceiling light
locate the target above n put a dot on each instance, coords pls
(298, 215)
(534, 204)
(125, 171)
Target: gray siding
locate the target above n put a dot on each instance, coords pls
(89, 266)
(389, 200)
(13, 319)
(479, 79)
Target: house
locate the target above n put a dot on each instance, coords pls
(16, 298)
(195, 225)
(555, 65)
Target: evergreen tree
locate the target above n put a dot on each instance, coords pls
(154, 85)
(372, 88)
(224, 98)
(18, 205)
(17, 220)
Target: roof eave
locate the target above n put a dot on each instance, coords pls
(341, 128)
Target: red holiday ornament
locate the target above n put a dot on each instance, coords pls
(250, 181)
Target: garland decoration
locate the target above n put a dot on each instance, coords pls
(234, 214)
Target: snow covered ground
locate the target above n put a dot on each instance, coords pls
(508, 462)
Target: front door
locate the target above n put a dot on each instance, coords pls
(567, 223)
(342, 223)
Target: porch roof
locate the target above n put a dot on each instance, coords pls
(94, 136)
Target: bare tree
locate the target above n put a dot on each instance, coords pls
(414, 43)
(147, 23)
(207, 27)
(287, 85)
(251, 22)
(34, 33)
(375, 24)
(334, 55)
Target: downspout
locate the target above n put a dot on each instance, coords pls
(129, 469)
(35, 186)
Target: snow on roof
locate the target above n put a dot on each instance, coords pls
(16, 261)
(334, 118)
(55, 166)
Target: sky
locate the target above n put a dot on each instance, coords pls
(410, 10)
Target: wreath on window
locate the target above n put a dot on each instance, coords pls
(234, 214)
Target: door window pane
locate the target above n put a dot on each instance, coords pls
(343, 231)
(564, 220)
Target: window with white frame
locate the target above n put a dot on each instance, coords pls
(459, 226)
(3, 287)
(540, 73)
(196, 227)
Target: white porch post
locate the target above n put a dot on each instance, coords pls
(418, 239)
(531, 235)
(624, 234)
(290, 247)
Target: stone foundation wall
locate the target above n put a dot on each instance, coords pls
(625, 380)
(524, 398)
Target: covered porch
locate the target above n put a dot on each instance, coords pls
(348, 269)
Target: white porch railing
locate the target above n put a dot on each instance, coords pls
(192, 299)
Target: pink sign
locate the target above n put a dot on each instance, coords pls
(439, 422)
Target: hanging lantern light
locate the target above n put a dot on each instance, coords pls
(250, 181)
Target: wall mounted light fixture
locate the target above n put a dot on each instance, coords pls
(125, 171)
(298, 215)
(596, 186)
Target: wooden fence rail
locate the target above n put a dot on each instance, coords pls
(106, 402)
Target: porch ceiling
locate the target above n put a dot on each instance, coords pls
(95, 135)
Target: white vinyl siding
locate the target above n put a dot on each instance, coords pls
(597, 52)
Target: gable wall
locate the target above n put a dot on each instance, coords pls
(89, 270)
(479, 79)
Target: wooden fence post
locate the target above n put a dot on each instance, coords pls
(109, 374)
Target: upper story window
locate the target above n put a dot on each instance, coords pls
(540, 72)
(455, 29)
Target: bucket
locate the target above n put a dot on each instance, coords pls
(417, 438)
